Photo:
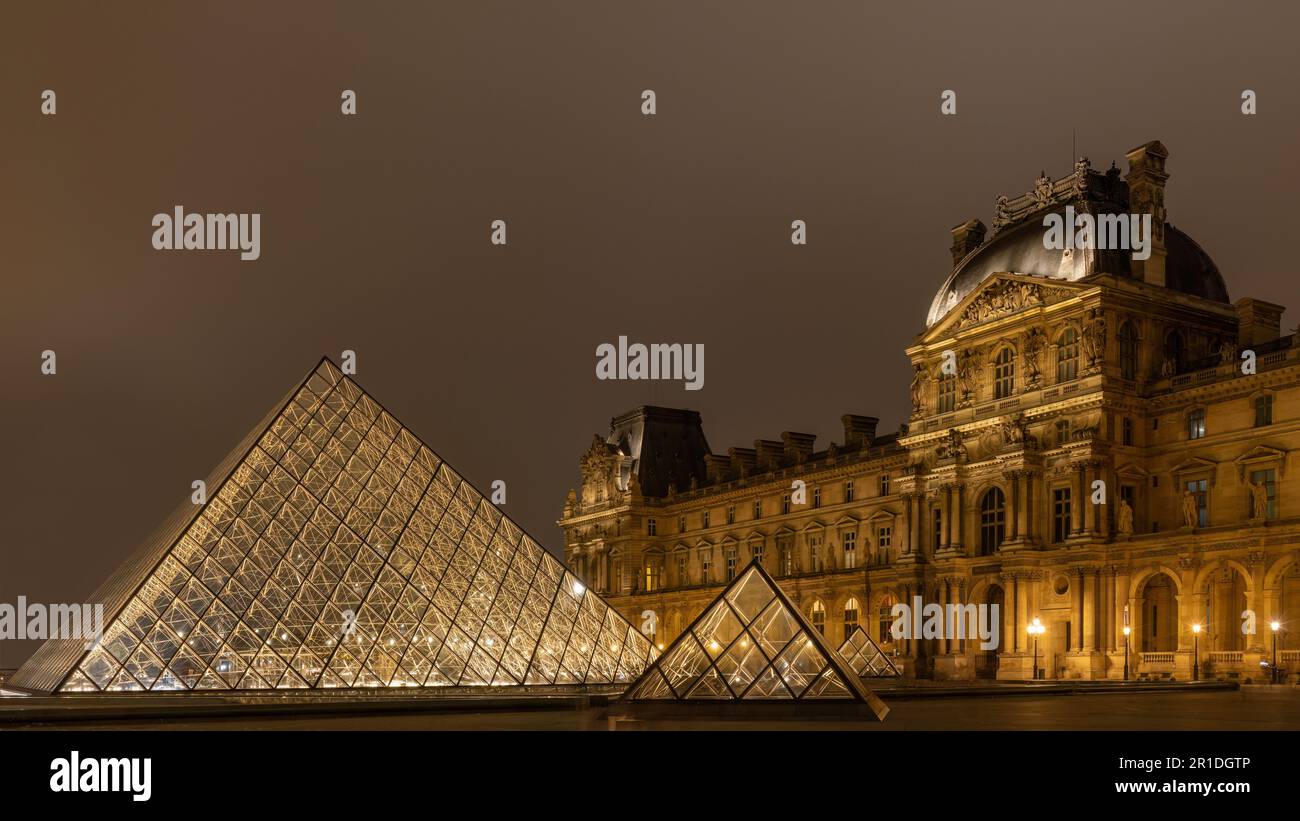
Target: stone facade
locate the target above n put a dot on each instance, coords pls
(1094, 441)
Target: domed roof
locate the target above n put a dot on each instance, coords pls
(1019, 249)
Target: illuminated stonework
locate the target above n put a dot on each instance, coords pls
(865, 656)
(340, 551)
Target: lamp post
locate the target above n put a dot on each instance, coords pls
(1126, 632)
(1036, 629)
(1276, 626)
(1196, 652)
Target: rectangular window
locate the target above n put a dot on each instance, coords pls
(817, 497)
(1063, 432)
(1127, 426)
(731, 515)
(947, 393)
(1263, 410)
(785, 504)
(884, 484)
(731, 563)
(785, 555)
(1197, 488)
(1060, 514)
(1196, 424)
(683, 578)
(681, 524)
(938, 528)
(850, 540)
(706, 520)
(650, 527)
(758, 508)
(815, 554)
(758, 550)
(884, 544)
(706, 563)
(848, 490)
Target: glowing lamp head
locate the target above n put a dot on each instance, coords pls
(1276, 626)
(1196, 628)
(1127, 630)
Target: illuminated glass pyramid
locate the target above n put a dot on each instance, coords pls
(751, 644)
(339, 551)
(865, 656)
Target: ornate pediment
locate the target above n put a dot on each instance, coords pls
(1261, 456)
(1005, 296)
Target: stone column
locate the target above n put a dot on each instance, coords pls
(1077, 501)
(945, 529)
(1016, 612)
(959, 518)
(1013, 521)
(943, 643)
(1079, 611)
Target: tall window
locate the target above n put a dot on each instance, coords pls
(1128, 351)
(1060, 514)
(885, 615)
(758, 550)
(850, 616)
(947, 393)
(884, 544)
(1197, 487)
(1004, 374)
(731, 514)
(1127, 427)
(730, 555)
(706, 565)
(815, 554)
(650, 527)
(819, 617)
(1196, 424)
(1067, 356)
(848, 490)
(785, 555)
(785, 503)
(993, 521)
(705, 518)
(850, 539)
(1268, 478)
(1263, 410)
(681, 524)
(884, 484)
(758, 508)
(817, 497)
(653, 575)
(1175, 351)
(938, 529)
(683, 577)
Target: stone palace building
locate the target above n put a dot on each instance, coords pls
(1097, 441)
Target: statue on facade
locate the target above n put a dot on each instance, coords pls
(1191, 511)
(1034, 343)
(1258, 500)
(1094, 338)
(1124, 518)
(918, 389)
(1227, 353)
(969, 368)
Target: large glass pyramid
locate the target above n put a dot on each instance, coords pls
(751, 644)
(339, 551)
(865, 656)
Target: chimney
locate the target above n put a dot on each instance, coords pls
(859, 430)
(1146, 195)
(769, 453)
(966, 238)
(1257, 322)
(742, 461)
(798, 446)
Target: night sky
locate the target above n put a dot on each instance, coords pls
(672, 228)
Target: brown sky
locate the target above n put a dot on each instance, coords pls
(673, 228)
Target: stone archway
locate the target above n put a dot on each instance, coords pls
(1158, 604)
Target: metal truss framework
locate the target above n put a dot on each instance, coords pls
(341, 552)
(751, 644)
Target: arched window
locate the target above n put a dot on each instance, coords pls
(1067, 356)
(1004, 374)
(1128, 351)
(885, 616)
(993, 521)
(850, 616)
(819, 617)
(947, 393)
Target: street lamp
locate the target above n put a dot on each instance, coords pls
(1036, 629)
(1196, 652)
(1127, 630)
(1276, 626)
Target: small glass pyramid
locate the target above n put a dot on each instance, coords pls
(339, 551)
(751, 644)
(865, 656)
